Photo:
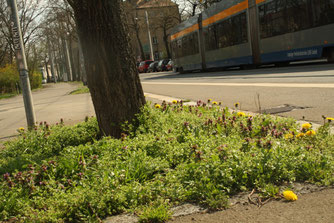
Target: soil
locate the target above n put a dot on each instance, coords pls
(315, 207)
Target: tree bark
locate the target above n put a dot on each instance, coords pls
(110, 65)
(140, 46)
(165, 37)
(73, 65)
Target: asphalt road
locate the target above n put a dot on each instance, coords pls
(307, 89)
(299, 91)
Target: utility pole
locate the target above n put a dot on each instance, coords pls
(149, 35)
(22, 64)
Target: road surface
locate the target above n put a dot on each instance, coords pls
(299, 91)
(308, 90)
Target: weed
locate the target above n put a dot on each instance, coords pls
(169, 155)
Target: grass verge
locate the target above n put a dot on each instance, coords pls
(9, 95)
(169, 155)
(80, 90)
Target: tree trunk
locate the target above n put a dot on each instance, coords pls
(110, 65)
(165, 37)
(140, 46)
(73, 65)
(194, 10)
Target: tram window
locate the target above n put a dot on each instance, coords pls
(323, 12)
(243, 28)
(211, 38)
(227, 33)
(298, 15)
(224, 33)
(184, 46)
(187, 46)
(232, 31)
(179, 48)
(272, 18)
(174, 49)
(286, 16)
(195, 44)
(190, 50)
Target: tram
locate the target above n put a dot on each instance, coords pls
(250, 33)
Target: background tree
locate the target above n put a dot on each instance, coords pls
(134, 24)
(30, 12)
(164, 22)
(110, 65)
(189, 8)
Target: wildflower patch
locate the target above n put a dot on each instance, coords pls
(169, 155)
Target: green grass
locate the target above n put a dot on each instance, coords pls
(9, 95)
(167, 156)
(80, 90)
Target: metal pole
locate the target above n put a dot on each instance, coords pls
(149, 35)
(22, 64)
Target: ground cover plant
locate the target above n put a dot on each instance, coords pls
(169, 155)
(80, 90)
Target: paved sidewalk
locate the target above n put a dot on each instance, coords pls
(51, 103)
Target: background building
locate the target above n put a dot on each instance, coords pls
(163, 15)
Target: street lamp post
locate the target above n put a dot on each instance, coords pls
(22, 64)
(149, 35)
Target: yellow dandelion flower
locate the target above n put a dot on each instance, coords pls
(21, 129)
(157, 106)
(288, 136)
(174, 101)
(306, 126)
(330, 119)
(290, 196)
(237, 104)
(310, 133)
(241, 114)
(300, 135)
(215, 103)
